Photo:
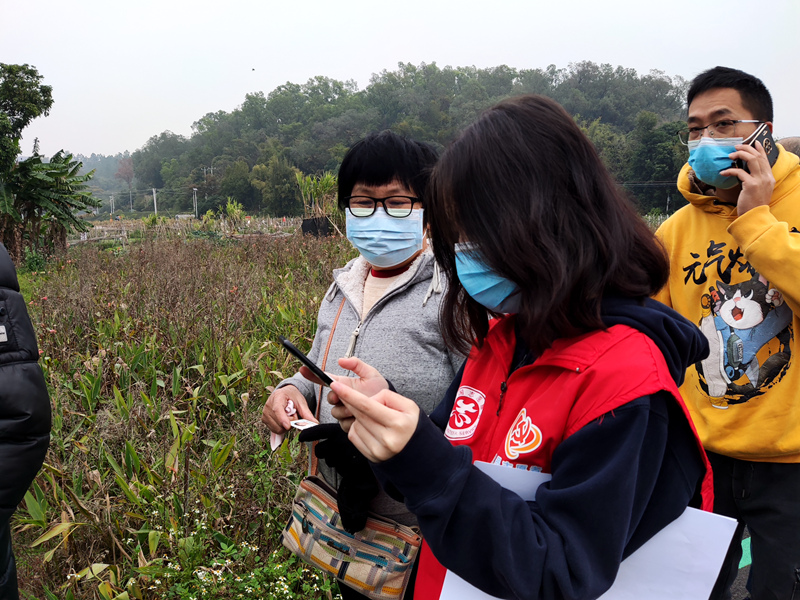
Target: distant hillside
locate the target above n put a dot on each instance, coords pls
(251, 152)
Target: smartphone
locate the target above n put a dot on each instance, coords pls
(763, 135)
(324, 377)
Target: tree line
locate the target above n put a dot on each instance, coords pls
(256, 153)
(253, 153)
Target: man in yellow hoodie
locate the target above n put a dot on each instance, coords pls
(735, 271)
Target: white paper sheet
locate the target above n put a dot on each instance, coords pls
(680, 561)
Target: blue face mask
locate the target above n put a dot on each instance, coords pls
(708, 156)
(386, 241)
(495, 292)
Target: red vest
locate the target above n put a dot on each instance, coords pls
(522, 418)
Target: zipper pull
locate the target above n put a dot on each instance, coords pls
(351, 348)
(503, 388)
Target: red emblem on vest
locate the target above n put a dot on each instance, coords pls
(466, 413)
(523, 437)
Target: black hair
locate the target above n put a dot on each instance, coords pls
(755, 95)
(527, 186)
(386, 157)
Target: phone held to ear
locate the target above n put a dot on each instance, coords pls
(324, 377)
(763, 135)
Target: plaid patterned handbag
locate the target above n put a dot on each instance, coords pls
(377, 561)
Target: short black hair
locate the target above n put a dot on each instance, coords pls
(527, 186)
(755, 95)
(385, 157)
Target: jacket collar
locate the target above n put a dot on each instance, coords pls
(350, 278)
(574, 354)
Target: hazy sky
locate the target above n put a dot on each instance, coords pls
(124, 71)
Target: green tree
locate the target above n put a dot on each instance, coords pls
(236, 184)
(125, 173)
(22, 99)
(617, 95)
(39, 202)
(148, 161)
(276, 184)
(612, 146)
(656, 157)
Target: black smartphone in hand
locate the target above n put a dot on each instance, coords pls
(324, 377)
(763, 135)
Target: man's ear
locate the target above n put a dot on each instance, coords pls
(769, 125)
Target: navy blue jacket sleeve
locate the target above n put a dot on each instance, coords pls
(600, 505)
(440, 416)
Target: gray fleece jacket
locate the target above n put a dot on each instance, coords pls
(399, 336)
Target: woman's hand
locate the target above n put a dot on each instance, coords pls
(368, 382)
(383, 424)
(274, 414)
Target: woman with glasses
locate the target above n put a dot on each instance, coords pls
(575, 375)
(383, 307)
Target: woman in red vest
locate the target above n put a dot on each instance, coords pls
(575, 375)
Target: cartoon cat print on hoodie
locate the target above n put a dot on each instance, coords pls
(740, 320)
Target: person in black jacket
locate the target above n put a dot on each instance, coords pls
(24, 414)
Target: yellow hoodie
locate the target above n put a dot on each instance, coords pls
(738, 278)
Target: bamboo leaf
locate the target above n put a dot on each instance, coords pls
(122, 405)
(106, 590)
(173, 421)
(171, 462)
(152, 541)
(176, 382)
(127, 490)
(221, 455)
(114, 465)
(48, 556)
(93, 570)
(49, 595)
(59, 529)
(35, 509)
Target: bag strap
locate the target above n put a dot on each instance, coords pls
(314, 465)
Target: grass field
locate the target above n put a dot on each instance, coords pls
(159, 482)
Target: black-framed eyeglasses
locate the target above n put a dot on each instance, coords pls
(723, 129)
(398, 207)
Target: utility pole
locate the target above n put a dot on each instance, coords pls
(130, 197)
(112, 204)
(194, 202)
(155, 205)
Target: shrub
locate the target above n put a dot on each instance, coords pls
(34, 260)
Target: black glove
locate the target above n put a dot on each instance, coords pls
(357, 485)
